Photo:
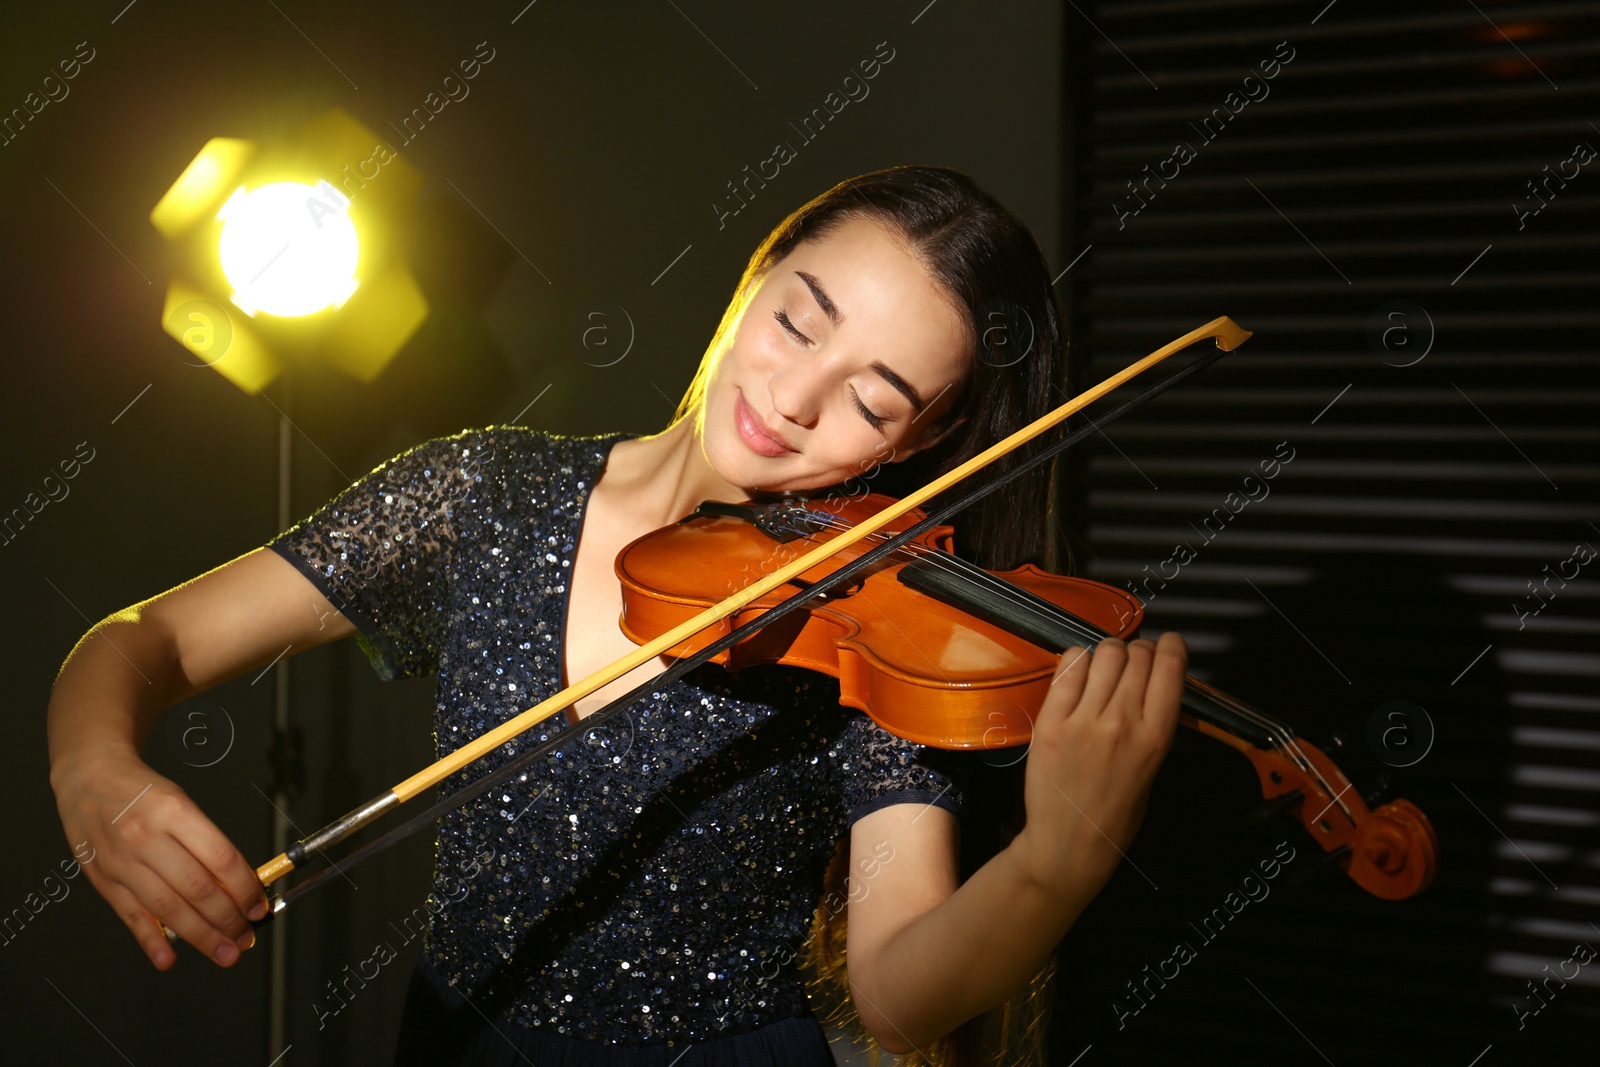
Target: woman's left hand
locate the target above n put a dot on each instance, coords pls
(1099, 738)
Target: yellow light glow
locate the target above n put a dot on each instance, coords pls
(288, 248)
(195, 195)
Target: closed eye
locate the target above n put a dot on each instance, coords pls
(876, 420)
(783, 320)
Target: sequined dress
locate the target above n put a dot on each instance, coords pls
(643, 889)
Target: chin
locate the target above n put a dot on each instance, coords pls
(760, 475)
(733, 462)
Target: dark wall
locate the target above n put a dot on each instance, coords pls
(595, 142)
(1361, 184)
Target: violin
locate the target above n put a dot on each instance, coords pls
(946, 654)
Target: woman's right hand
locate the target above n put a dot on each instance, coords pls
(157, 858)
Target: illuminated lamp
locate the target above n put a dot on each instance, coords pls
(289, 254)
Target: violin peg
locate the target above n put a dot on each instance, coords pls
(1334, 743)
(1382, 791)
(1267, 809)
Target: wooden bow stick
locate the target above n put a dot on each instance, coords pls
(1229, 335)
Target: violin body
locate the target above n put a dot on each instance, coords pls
(921, 670)
(946, 655)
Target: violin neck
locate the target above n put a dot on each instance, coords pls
(1033, 618)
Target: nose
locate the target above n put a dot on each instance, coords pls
(796, 393)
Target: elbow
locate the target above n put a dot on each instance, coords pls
(896, 1042)
(892, 1043)
(889, 1036)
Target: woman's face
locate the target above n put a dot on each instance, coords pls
(845, 357)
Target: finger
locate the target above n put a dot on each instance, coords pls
(168, 907)
(216, 925)
(1067, 686)
(1129, 694)
(201, 889)
(227, 865)
(1168, 675)
(144, 927)
(1110, 656)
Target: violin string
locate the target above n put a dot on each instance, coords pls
(1278, 733)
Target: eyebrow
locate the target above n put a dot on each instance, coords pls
(829, 308)
(905, 388)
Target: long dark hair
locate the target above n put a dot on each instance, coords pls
(990, 267)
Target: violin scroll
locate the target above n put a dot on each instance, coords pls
(1391, 851)
(1396, 852)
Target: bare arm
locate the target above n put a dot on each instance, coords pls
(156, 855)
(925, 956)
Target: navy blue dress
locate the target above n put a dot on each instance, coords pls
(642, 895)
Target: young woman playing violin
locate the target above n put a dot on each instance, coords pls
(655, 891)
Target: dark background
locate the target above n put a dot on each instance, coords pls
(1387, 557)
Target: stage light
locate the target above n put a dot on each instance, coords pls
(288, 253)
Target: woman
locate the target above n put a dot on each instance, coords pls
(652, 891)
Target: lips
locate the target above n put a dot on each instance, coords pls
(755, 433)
